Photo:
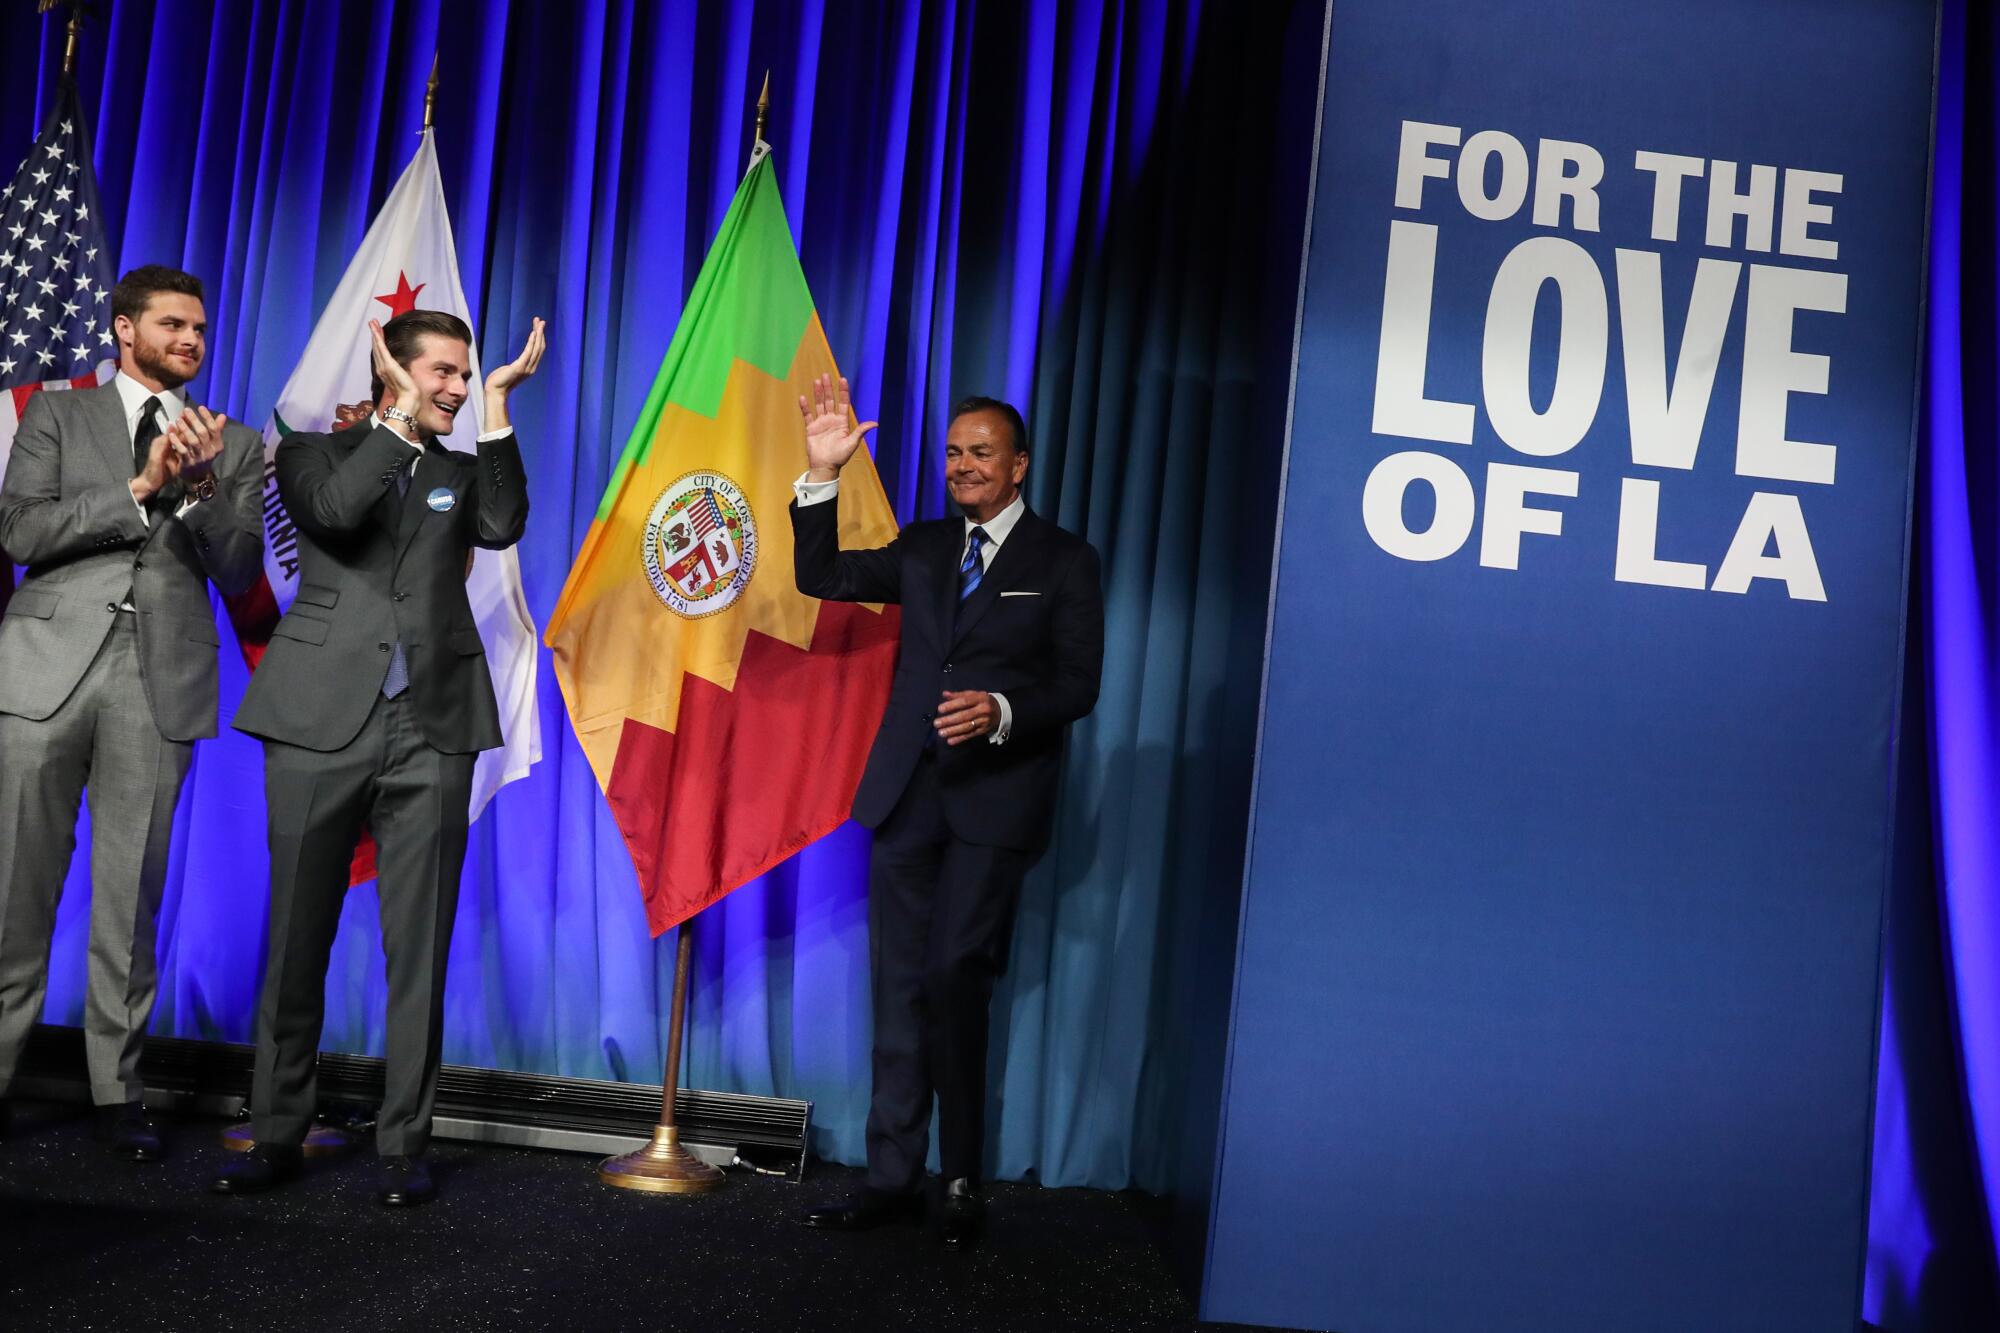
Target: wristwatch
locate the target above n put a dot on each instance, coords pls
(398, 414)
(203, 489)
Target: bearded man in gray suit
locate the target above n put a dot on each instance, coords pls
(125, 502)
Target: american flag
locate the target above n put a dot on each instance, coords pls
(707, 518)
(55, 275)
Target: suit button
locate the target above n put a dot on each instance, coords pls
(383, 646)
(111, 607)
(138, 564)
(929, 717)
(947, 668)
(401, 595)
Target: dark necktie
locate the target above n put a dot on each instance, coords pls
(167, 498)
(143, 437)
(971, 569)
(398, 678)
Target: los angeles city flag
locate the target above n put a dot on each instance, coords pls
(407, 260)
(727, 716)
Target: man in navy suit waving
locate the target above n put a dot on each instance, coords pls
(1002, 644)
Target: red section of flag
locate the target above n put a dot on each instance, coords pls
(755, 773)
(253, 614)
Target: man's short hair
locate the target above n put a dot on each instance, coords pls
(980, 403)
(135, 291)
(403, 336)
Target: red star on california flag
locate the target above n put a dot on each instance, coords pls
(404, 298)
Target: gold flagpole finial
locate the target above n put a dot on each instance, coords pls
(431, 89)
(75, 29)
(764, 106)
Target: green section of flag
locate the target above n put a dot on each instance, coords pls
(749, 303)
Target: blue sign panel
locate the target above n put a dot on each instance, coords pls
(1557, 986)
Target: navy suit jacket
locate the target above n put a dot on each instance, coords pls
(1033, 630)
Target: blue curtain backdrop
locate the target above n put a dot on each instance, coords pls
(1070, 205)
(1935, 1209)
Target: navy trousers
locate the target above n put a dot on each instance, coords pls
(940, 918)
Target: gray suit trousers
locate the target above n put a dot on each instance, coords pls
(414, 800)
(103, 738)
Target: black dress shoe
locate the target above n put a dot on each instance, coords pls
(867, 1210)
(962, 1217)
(403, 1182)
(130, 1133)
(266, 1165)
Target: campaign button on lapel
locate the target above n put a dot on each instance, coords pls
(441, 500)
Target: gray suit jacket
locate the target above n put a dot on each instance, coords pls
(67, 514)
(377, 567)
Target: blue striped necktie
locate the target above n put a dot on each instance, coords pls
(971, 569)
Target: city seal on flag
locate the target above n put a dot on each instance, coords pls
(701, 544)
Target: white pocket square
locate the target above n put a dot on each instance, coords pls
(1020, 594)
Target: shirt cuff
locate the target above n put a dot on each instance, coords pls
(488, 436)
(1006, 725)
(144, 517)
(814, 492)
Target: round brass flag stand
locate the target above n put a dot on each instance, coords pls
(663, 1166)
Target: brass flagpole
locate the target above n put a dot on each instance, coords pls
(75, 29)
(663, 1166)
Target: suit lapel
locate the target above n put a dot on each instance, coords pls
(104, 416)
(944, 597)
(1016, 556)
(429, 473)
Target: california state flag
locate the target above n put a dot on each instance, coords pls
(406, 261)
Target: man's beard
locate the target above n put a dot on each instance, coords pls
(156, 364)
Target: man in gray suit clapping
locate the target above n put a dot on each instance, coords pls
(124, 501)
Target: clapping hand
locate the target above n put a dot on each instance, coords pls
(195, 436)
(399, 390)
(830, 438)
(505, 379)
(186, 448)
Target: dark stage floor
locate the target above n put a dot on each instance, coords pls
(521, 1240)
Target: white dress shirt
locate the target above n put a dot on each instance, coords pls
(819, 492)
